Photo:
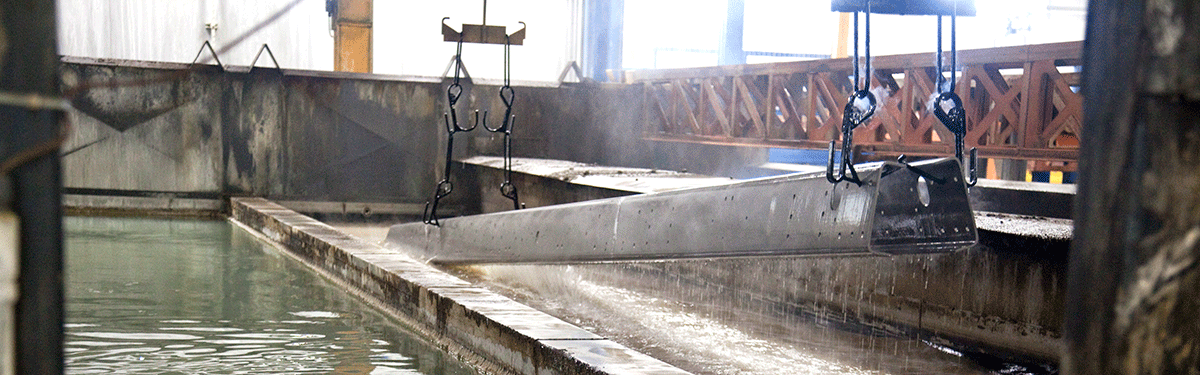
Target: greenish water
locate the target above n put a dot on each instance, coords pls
(204, 297)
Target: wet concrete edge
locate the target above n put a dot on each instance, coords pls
(957, 317)
(513, 336)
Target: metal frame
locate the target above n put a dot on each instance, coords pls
(798, 104)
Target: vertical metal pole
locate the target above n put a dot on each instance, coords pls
(1135, 259)
(856, 66)
(30, 67)
(729, 48)
(603, 37)
(938, 81)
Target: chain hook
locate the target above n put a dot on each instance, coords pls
(508, 97)
(453, 93)
(859, 108)
(954, 119)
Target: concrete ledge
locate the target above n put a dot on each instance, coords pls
(414, 209)
(141, 206)
(1024, 198)
(513, 336)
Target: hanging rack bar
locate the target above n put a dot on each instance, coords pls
(909, 7)
(483, 33)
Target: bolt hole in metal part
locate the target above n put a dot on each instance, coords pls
(923, 191)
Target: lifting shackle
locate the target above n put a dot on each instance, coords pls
(859, 109)
(948, 106)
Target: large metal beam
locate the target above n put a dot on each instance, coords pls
(898, 209)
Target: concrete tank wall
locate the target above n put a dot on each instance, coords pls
(980, 300)
(161, 127)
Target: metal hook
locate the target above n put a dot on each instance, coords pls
(269, 54)
(508, 97)
(211, 51)
(508, 104)
(507, 189)
(972, 176)
(852, 116)
(956, 121)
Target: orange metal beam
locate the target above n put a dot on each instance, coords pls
(352, 36)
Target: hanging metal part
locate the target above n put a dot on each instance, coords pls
(483, 33)
(954, 118)
(859, 109)
(211, 51)
(907, 7)
(507, 96)
(899, 208)
(445, 187)
(489, 35)
(269, 54)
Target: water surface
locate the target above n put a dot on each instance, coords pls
(204, 297)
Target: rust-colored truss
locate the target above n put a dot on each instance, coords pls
(1019, 103)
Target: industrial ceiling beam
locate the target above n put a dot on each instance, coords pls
(898, 209)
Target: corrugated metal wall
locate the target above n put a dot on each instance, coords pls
(173, 30)
(406, 41)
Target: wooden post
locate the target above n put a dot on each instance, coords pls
(841, 48)
(352, 20)
(1134, 267)
(30, 131)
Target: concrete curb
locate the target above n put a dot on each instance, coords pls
(513, 336)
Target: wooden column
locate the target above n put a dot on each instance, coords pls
(29, 133)
(352, 21)
(1134, 266)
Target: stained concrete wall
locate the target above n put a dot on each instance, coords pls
(1003, 299)
(304, 135)
(985, 300)
(174, 30)
(261, 132)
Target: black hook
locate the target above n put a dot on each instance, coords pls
(212, 52)
(508, 96)
(269, 54)
(852, 116)
(956, 121)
